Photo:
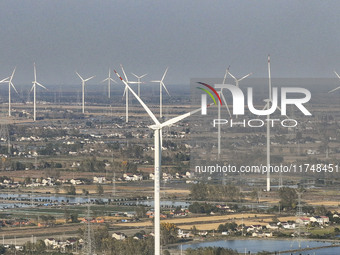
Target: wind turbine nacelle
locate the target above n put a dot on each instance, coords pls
(239, 98)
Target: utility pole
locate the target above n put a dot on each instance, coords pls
(89, 248)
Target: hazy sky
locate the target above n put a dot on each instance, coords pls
(194, 38)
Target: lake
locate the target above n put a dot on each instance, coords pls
(254, 246)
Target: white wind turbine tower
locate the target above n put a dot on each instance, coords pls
(157, 128)
(126, 94)
(34, 88)
(138, 82)
(161, 84)
(269, 102)
(10, 84)
(337, 87)
(220, 93)
(83, 89)
(109, 79)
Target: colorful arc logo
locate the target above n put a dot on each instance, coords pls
(204, 97)
(209, 93)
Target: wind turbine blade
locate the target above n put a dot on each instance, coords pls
(35, 72)
(156, 81)
(166, 70)
(143, 76)
(179, 118)
(13, 87)
(32, 87)
(135, 75)
(146, 108)
(225, 102)
(245, 76)
(106, 79)
(11, 77)
(278, 107)
(165, 88)
(337, 74)
(90, 78)
(124, 93)
(79, 76)
(161, 137)
(4, 80)
(113, 80)
(334, 89)
(41, 85)
(266, 106)
(225, 75)
(124, 73)
(232, 76)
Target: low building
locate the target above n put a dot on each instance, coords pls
(119, 236)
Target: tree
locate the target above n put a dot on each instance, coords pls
(100, 189)
(288, 198)
(2, 249)
(193, 230)
(168, 233)
(66, 215)
(40, 246)
(74, 218)
(70, 190)
(321, 210)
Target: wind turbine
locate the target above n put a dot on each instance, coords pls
(337, 87)
(267, 106)
(138, 82)
(238, 80)
(157, 128)
(220, 93)
(83, 89)
(126, 94)
(34, 88)
(161, 84)
(10, 84)
(109, 79)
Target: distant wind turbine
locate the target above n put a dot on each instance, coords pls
(83, 89)
(268, 106)
(34, 88)
(337, 87)
(157, 128)
(220, 93)
(126, 94)
(138, 81)
(161, 84)
(109, 79)
(10, 84)
(238, 80)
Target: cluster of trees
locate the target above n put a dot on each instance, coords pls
(202, 208)
(201, 191)
(169, 233)
(49, 220)
(70, 190)
(92, 165)
(106, 244)
(288, 198)
(227, 227)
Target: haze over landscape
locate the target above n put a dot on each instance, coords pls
(194, 38)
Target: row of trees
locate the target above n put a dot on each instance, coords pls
(202, 191)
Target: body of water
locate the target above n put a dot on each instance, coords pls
(253, 246)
